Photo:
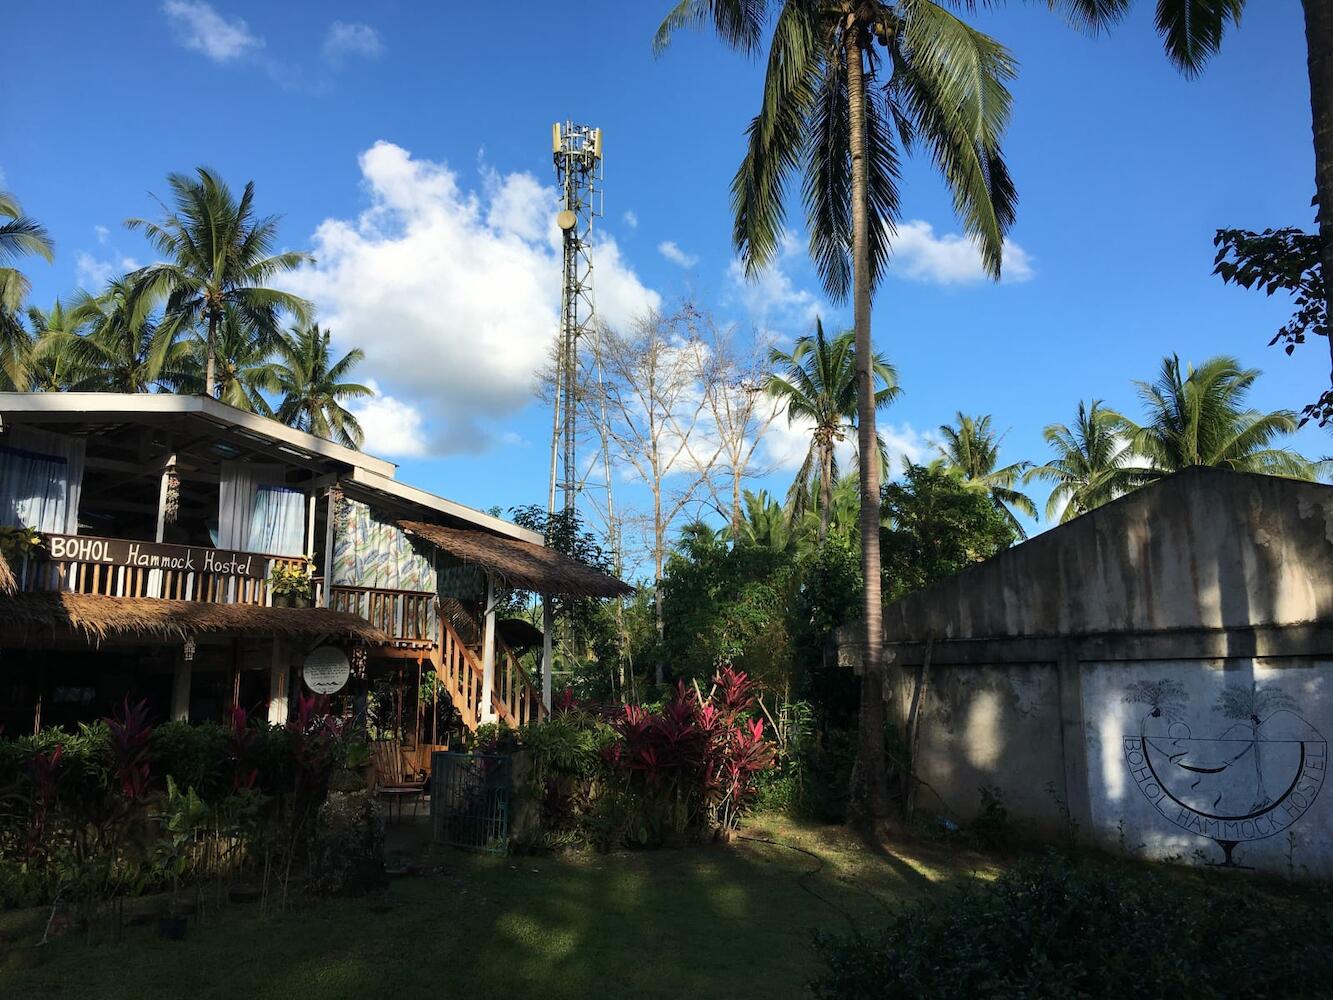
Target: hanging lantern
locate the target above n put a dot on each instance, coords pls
(358, 659)
(188, 649)
(341, 508)
(171, 501)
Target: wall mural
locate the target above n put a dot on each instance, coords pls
(1253, 768)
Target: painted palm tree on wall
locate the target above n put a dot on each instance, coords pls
(816, 382)
(219, 263)
(971, 447)
(314, 387)
(20, 237)
(850, 87)
(1199, 416)
(1090, 463)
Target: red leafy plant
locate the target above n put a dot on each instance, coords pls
(131, 734)
(692, 763)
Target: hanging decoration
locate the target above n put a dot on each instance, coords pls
(359, 662)
(340, 507)
(188, 649)
(171, 502)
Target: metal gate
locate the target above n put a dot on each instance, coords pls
(469, 800)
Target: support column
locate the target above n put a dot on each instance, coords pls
(548, 626)
(180, 691)
(330, 525)
(279, 679)
(488, 654)
(1074, 745)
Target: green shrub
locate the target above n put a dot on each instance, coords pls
(1060, 927)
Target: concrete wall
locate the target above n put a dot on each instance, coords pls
(1156, 676)
(1155, 758)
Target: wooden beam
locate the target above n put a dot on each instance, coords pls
(488, 653)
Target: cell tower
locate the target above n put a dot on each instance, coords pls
(577, 151)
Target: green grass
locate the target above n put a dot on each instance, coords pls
(705, 922)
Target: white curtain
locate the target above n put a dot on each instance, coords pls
(277, 526)
(257, 515)
(41, 478)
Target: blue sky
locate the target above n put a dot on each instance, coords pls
(407, 144)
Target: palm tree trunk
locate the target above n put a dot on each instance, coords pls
(1319, 56)
(210, 368)
(825, 488)
(869, 792)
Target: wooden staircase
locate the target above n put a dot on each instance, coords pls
(515, 700)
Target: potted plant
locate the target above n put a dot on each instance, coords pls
(183, 815)
(292, 584)
(18, 544)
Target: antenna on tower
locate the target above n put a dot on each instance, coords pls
(577, 152)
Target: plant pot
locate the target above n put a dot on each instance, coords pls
(172, 928)
(282, 600)
(302, 601)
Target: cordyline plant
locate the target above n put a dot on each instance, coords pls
(694, 761)
(131, 734)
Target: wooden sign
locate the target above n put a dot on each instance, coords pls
(154, 555)
(326, 670)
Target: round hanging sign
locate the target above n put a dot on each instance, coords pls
(326, 670)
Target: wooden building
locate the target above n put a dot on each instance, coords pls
(159, 522)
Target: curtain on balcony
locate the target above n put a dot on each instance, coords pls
(41, 476)
(370, 552)
(255, 514)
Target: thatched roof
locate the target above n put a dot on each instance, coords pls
(119, 617)
(523, 565)
(7, 582)
(519, 634)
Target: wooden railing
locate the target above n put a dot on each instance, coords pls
(85, 577)
(406, 615)
(514, 698)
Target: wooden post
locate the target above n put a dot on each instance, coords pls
(279, 673)
(155, 576)
(330, 524)
(548, 626)
(488, 654)
(180, 690)
(416, 715)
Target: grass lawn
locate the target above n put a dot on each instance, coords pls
(707, 922)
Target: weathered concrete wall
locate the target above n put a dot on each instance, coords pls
(1190, 760)
(1202, 549)
(1156, 676)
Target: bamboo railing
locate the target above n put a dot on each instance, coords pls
(515, 700)
(69, 576)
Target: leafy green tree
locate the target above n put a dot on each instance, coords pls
(1090, 463)
(20, 236)
(313, 387)
(1198, 416)
(1282, 260)
(764, 523)
(973, 448)
(245, 367)
(126, 347)
(936, 524)
(817, 382)
(850, 86)
(219, 263)
(58, 362)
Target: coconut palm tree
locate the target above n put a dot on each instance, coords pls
(246, 367)
(1198, 416)
(973, 449)
(125, 346)
(313, 389)
(816, 382)
(850, 86)
(58, 362)
(219, 263)
(20, 236)
(1090, 464)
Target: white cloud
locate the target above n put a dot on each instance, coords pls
(200, 28)
(673, 253)
(950, 258)
(103, 234)
(393, 427)
(453, 293)
(352, 39)
(92, 273)
(631, 220)
(771, 297)
(785, 445)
